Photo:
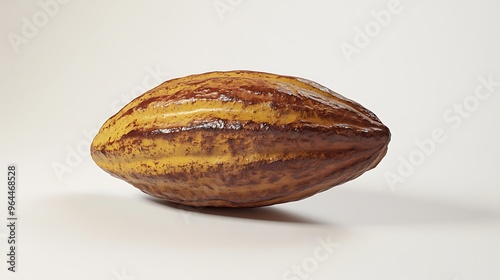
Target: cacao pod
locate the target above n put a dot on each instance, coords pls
(239, 139)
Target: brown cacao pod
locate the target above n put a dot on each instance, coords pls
(239, 139)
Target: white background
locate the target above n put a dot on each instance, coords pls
(67, 67)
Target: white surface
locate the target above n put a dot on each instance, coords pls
(91, 57)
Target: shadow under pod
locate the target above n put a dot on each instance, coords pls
(267, 213)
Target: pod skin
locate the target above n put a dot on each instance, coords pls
(239, 139)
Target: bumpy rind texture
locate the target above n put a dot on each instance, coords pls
(239, 139)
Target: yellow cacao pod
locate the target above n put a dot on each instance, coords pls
(239, 139)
